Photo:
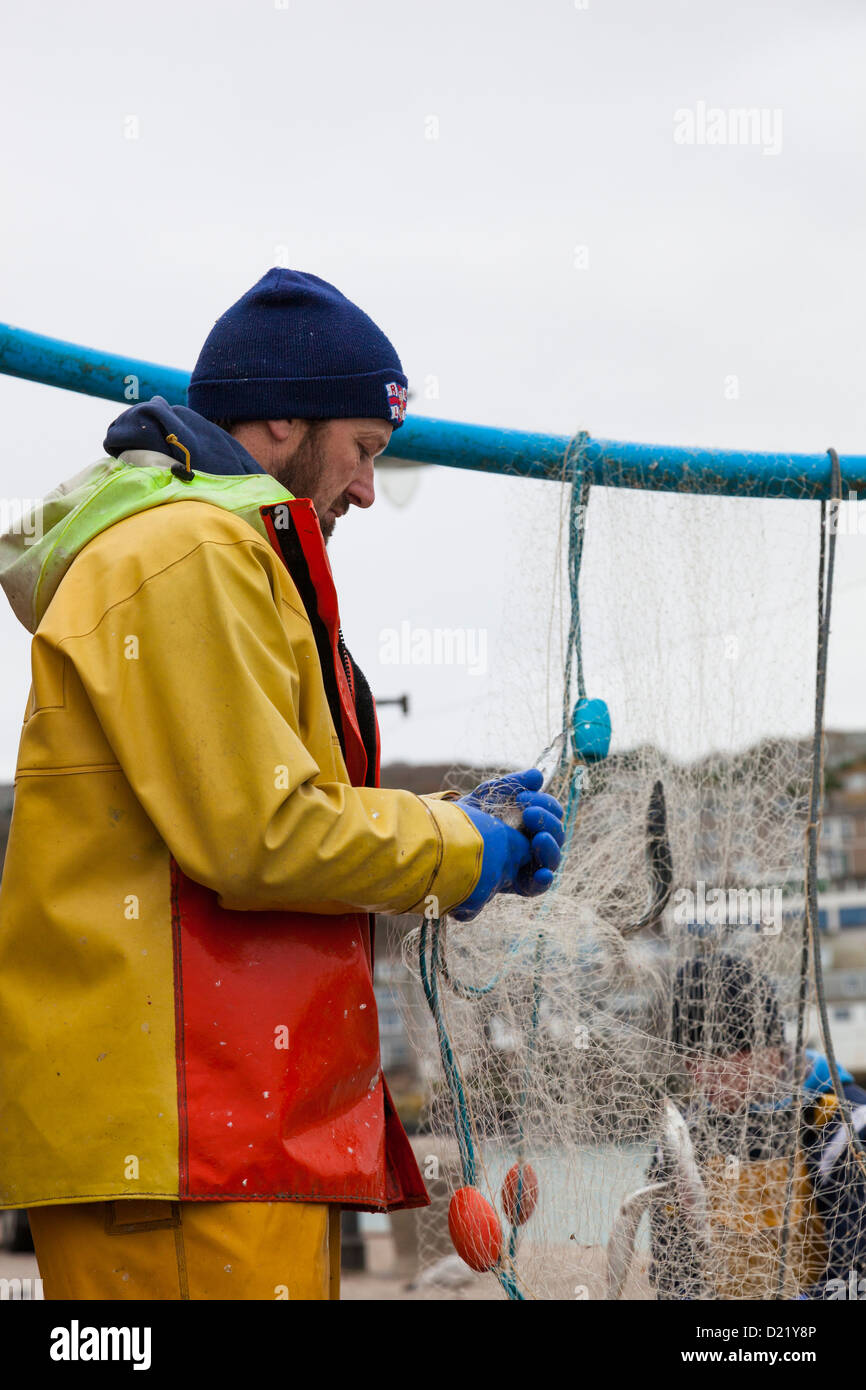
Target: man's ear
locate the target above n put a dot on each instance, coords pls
(281, 430)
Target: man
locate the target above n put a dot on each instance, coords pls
(726, 1018)
(190, 1077)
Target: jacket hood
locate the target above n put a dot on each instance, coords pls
(39, 548)
(146, 426)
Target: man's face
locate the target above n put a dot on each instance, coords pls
(745, 1078)
(331, 462)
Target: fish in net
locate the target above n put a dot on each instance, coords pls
(620, 1093)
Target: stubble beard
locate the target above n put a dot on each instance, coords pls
(301, 474)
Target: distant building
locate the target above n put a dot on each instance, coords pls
(842, 896)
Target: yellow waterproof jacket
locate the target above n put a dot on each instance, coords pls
(756, 1222)
(197, 841)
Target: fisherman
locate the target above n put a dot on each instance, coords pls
(812, 1231)
(191, 1086)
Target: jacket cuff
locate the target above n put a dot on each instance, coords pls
(458, 866)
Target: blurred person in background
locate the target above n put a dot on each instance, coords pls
(727, 1021)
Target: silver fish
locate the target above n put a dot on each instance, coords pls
(548, 763)
(623, 1232)
(688, 1186)
(685, 1186)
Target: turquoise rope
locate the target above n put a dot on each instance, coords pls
(430, 982)
(579, 502)
(453, 1080)
(437, 965)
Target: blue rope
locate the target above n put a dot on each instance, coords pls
(580, 486)
(453, 1080)
(579, 501)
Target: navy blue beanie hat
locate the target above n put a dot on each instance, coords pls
(295, 347)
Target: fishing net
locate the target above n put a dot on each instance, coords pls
(618, 1067)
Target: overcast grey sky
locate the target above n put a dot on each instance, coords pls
(301, 133)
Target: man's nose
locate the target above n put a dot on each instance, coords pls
(361, 492)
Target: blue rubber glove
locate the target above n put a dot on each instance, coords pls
(515, 861)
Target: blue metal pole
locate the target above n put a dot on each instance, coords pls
(612, 463)
(608, 462)
(74, 368)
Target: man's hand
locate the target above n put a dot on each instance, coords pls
(515, 860)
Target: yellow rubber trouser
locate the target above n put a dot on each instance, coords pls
(135, 1249)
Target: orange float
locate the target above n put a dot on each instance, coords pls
(528, 1194)
(474, 1228)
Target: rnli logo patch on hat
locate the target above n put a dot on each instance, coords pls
(397, 398)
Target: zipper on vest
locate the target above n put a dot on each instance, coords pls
(347, 665)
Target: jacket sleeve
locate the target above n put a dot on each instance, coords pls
(203, 682)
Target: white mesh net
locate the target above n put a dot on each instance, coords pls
(649, 1078)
